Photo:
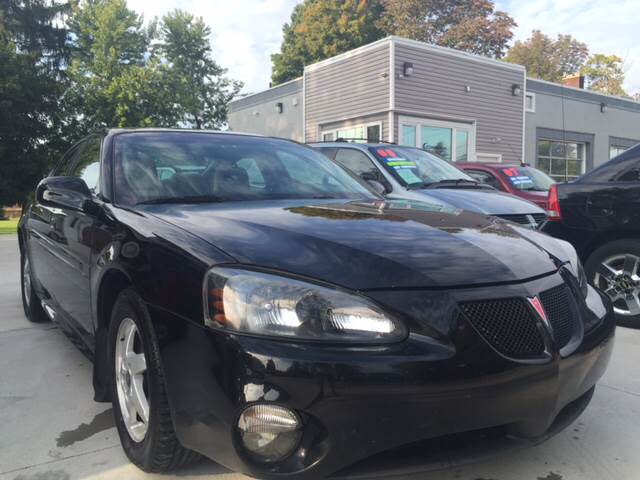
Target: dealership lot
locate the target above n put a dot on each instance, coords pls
(52, 429)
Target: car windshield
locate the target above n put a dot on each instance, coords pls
(176, 167)
(416, 168)
(528, 179)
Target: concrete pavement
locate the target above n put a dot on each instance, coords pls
(50, 428)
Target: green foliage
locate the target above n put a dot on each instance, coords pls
(32, 49)
(549, 59)
(115, 82)
(199, 88)
(605, 74)
(470, 25)
(8, 226)
(320, 29)
(70, 68)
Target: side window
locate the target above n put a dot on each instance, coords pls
(67, 160)
(632, 174)
(249, 165)
(328, 151)
(358, 163)
(485, 177)
(87, 163)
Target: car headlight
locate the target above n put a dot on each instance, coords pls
(260, 303)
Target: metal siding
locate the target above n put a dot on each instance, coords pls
(261, 117)
(348, 88)
(437, 89)
(578, 113)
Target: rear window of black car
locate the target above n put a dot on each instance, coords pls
(153, 167)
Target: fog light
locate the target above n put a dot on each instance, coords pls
(269, 432)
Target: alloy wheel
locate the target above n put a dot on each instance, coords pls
(26, 281)
(131, 368)
(619, 278)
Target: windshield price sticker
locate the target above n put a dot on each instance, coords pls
(399, 162)
(408, 176)
(521, 180)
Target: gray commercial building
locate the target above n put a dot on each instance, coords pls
(460, 106)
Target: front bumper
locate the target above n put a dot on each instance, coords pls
(359, 401)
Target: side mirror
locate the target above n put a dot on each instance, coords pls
(377, 186)
(65, 192)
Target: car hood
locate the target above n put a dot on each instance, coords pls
(488, 202)
(366, 245)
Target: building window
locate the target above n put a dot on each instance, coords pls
(530, 102)
(328, 137)
(562, 161)
(615, 150)
(449, 141)
(368, 132)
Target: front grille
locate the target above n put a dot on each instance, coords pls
(556, 304)
(508, 325)
(528, 220)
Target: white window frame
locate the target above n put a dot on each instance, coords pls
(334, 131)
(583, 162)
(418, 122)
(490, 157)
(533, 102)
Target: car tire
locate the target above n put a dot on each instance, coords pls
(30, 301)
(607, 268)
(149, 441)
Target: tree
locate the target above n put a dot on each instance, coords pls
(605, 74)
(549, 59)
(32, 49)
(470, 25)
(199, 88)
(115, 80)
(320, 29)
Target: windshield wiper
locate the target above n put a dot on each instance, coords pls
(451, 181)
(184, 199)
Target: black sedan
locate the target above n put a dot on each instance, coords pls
(599, 214)
(247, 299)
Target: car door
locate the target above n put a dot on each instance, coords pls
(70, 243)
(360, 164)
(42, 236)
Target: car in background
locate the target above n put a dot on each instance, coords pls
(599, 214)
(521, 180)
(410, 173)
(250, 300)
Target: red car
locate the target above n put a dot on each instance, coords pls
(520, 180)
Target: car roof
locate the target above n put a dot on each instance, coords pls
(492, 166)
(111, 131)
(361, 146)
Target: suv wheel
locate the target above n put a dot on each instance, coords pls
(30, 302)
(614, 268)
(140, 404)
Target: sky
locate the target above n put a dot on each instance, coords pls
(247, 32)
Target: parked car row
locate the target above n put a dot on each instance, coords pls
(251, 300)
(411, 173)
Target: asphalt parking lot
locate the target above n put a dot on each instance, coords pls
(50, 428)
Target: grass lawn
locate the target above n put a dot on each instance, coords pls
(8, 226)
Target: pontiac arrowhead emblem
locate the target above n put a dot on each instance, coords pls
(537, 306)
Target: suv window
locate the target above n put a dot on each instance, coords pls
(357, 162)
(485, 177)
(86, 164)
